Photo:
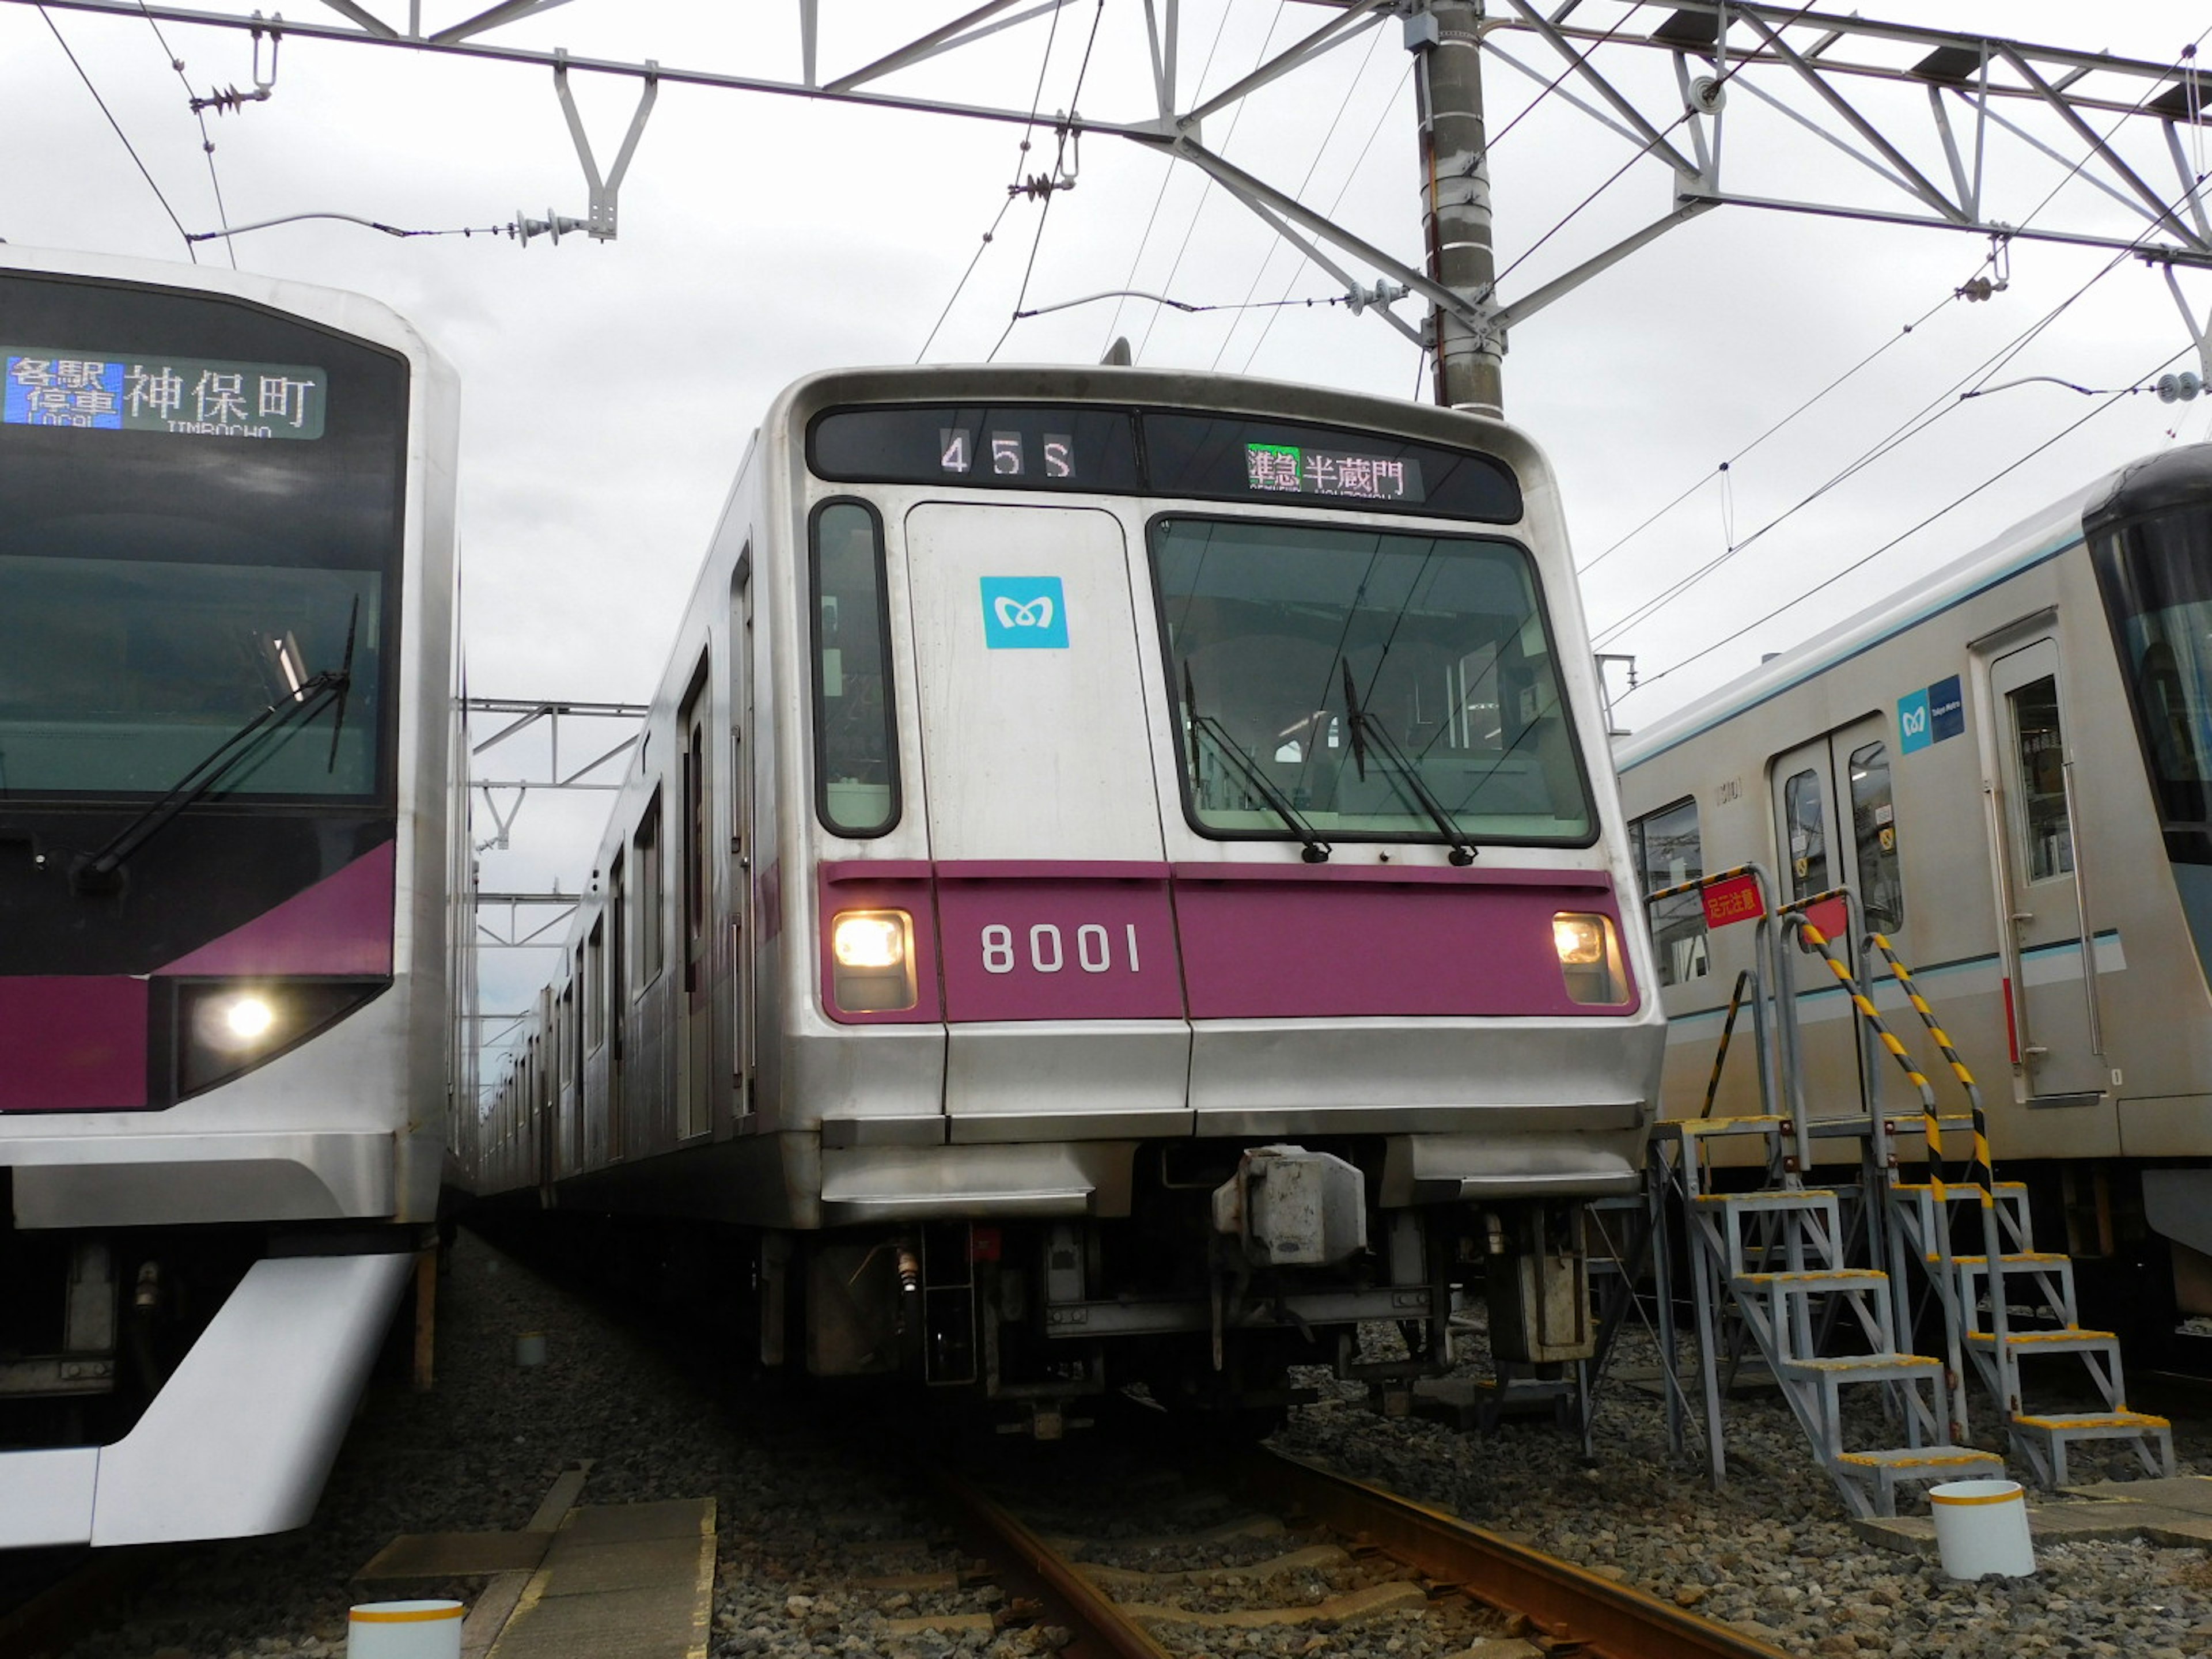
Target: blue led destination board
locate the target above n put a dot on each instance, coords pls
(190, 395)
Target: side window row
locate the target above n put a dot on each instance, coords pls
(1666, 848)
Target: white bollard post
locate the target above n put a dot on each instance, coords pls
(1981, 1527)
(404, 1630)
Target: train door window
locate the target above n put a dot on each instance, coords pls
(855, 759)
(1668, 854)
(652, 897)
(1804, 816)
(2040, 775)
(694, 851)
(1873, 835)
(595, 983)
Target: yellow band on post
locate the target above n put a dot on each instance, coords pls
(2012, 1497)
(413, 1616)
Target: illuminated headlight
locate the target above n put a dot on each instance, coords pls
(235, 1023)
(872, 961)
(1589, 958)
(223, 1029)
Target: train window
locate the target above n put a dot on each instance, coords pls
(1668, 855)
(595, 979)
(855, 758)
(651, 898)
(1807, 818)
(1874, 836)
(2039, 759)
(1358, 671)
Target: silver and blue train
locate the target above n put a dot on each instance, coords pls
(228, 988)
(1121, 883)
(2007, 764)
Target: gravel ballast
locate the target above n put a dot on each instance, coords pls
(816, 1527)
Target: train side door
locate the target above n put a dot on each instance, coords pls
(616, 989)
(2050, 1002)
(1812, 825)
(740, 888)
(696, 1003)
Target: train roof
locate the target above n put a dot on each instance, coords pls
(2042, 535)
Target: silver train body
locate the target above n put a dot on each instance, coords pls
(226, 1005)
(2006, 765)
(1023, 921)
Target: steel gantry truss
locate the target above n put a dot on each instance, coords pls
(1793, 65)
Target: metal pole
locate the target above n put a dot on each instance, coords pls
(1455, 221)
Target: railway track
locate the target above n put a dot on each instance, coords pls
(1304, 1531)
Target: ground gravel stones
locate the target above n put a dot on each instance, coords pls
(826, 1550)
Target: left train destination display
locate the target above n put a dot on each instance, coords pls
(143, 393)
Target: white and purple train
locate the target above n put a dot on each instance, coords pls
(226, 882)
(1121, 883)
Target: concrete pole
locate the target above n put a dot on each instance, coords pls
(1456, 199)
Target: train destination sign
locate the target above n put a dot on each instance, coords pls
(1734, 900)
(131, 392)
(1291, 469)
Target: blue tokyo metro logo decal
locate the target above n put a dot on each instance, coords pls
(1931, 715)
(1024, 613)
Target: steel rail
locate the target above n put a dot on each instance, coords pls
(1566, 1602)
(1029, 1568)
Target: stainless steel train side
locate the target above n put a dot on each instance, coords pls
(2005, 764)
(1113, 994)
(225, 1009)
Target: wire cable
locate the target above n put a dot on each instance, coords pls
(1050, 192)
(1167, 177)
(199, 115)
(123, 136)
(2111, 400)
(1205, 194)
(2188, 56)
(1036, 102)
(1374, 40)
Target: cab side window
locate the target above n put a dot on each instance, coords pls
(1668, 855)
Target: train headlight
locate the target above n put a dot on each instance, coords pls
(222, 1029)
(1589, 958)
(872, 961)
(234, 1021)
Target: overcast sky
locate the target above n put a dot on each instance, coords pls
(609, 389)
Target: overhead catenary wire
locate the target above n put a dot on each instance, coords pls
(2112, 401)
(1167, 178)
(2187, 58)
(1205, 192)
(199, 115)
(1036, 103)
(123, 136)
(1050, 192)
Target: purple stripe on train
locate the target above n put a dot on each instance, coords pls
(1033, 940)
(72, 1043)
(342, 925)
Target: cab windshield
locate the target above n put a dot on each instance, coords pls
(2157, 578)
(1290, 644)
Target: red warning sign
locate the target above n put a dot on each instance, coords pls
(1734, 900)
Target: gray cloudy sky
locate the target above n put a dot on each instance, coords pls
(609, 389)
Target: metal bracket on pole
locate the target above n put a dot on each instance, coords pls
(2200, 332)
(600, 225)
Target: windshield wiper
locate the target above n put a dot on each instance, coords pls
(1366, 729)
(1206, 725)
(99, 872)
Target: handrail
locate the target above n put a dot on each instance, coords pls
(1992, 1234)
(1793, 916)
(1728, 1030)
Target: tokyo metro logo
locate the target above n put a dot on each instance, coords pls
(1024, 613)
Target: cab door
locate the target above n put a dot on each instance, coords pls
(1057, 939)
(695, 902)
(2048, 962)
(1811, 821)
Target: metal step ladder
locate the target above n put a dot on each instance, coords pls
(1774, 1263)
(1996, 1346)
